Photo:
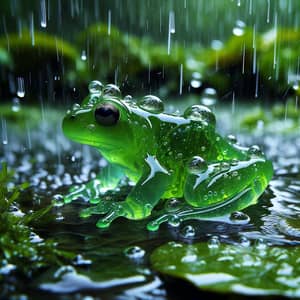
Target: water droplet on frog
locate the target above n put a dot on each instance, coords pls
(172, 204)
(239, 217)
(255, 151)
(197, 165)
(95, 87)
(91, 127)
(16, 106)
(112, 90)
(128, 98)
(200, 113)
(231, 139)
(174, 221)
(213, 242)
(244, 241)
(188, 231)
(75, 106)
(151, 104)
(58, 200)
(134, 252)
(239, 28)
(209, 97)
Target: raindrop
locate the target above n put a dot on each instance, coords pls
(214, 242)
(112, 90)
(21, 87)
(151, 104)
(43, 14)
(239, 217)
(16, 106)
(4, 132)
(134, 252)
(209, 97)
(83, 55)
(239, 28)
(95, 87)
(200, 113)
(188, 231)
(197, 165)
(128, 98)
(216, 45)
(109, 22)
(80, 261)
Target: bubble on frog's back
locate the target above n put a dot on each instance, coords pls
(197, 165)
(201, 114)
(209, 97)
(95, 87)
(112, 90)
(151, 104)
(255, 151)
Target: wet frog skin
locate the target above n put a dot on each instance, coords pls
(180, 160)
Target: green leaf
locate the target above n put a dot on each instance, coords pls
(251, 270)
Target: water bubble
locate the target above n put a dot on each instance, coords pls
(239, 28)
(195, 83)
(200, 113)
(75, 106)
(16, 106)
(95, 87)
(80, 261)
(239, 217)
(151, 104)
(197, 165)
(209, 97)
(213, 242)
(217, 45)
(260, 244)
(172, 204)
(255, 151)
(231, 139)
(112, 90)
(174, 221)
(134, 252)
(188, 231)
(244, 241)
(128, 98)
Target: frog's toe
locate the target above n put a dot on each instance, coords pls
(116, 211)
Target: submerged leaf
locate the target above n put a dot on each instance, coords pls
(250, 270)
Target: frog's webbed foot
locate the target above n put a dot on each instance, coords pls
(111, 211)
(88, 191)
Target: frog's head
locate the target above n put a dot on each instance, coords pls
(103, 121)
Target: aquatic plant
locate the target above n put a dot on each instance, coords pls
(22, 250)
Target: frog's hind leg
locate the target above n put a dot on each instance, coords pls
(223, 188)
(108, 179)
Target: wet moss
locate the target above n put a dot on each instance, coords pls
(22, 250)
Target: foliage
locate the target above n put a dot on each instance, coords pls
(21, 248)
(255, 270)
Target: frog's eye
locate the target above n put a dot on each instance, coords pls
(107, 114)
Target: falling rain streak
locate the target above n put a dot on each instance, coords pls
(171, 29)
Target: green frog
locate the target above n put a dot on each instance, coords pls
(178, 161)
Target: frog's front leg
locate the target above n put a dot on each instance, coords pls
(140, 201)
(227, 186)
(108, 179)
